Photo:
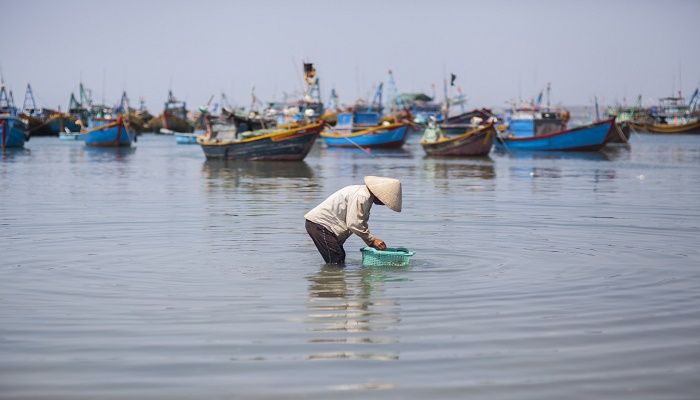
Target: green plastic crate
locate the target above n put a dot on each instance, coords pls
(391, 257)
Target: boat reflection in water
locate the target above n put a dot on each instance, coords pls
(258, 175)
(557, 155)
(472, 167)
(11, 153)
(109, 154)
(352, 315)
(364, 152)
(223, 169)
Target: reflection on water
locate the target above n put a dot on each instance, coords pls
(9, 154)
(555, 173)
(616, 152)
(108, 154)
(231, 169)
(357, 152)
(256, 176)
(351, 314)
(536, 277)
(560, 155)
(473, 167)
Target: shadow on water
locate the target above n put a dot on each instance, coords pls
(109, 154)
(351, 314)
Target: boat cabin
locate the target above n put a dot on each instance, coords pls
(535, 121)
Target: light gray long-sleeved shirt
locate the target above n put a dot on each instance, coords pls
(345, 212)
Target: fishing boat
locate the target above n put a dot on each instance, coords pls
(13, 129)
(362, 129)
(287, 143)
(621, 132)
(143, 115)
(33, 117)
(527, 121)
(14, 132)
(466, 117)
(307, 106)
(625, 117)
(534, 119)
(173, 118)
(243, 122)
(680, 127)
(674, 116)
(421, 105)
(591, 137)
(188, 138)
(58, 123)
(104, 132)
(475, 141)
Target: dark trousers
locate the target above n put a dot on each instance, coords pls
(326, 242)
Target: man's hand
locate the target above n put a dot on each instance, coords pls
(379, 244)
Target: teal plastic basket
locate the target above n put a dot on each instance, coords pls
(391, 257)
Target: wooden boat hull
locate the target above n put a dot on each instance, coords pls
(621, 132)
(113, 134)
(288, 145)
(583, 138)
(691, 127)
(476, 142)
(379, 137)
(58, 123)
(13, 132)
(35, 126)
(466, 117)
(171, 122)
(637, 125)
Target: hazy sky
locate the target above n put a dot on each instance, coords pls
(499, 50)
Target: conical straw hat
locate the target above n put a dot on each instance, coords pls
(387, 190)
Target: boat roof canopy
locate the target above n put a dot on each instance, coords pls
(413, 97)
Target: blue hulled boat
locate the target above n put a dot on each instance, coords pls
(590, 137)
(104, 132)
(60, 123)
(188, 138)
(70, 136)
(13, 130)
(363, 129)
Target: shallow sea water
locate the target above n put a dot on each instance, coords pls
(150, 273)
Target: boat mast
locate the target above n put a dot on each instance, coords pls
(312, 87)
(393, 94)
(377, 98)
(29, 106)
(597, 114)
(5, 103)
(333, 101)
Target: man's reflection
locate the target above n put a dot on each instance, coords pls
(352, 315)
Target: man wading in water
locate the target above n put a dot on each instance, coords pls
(346, 212)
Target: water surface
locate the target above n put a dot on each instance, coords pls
(151, 273)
